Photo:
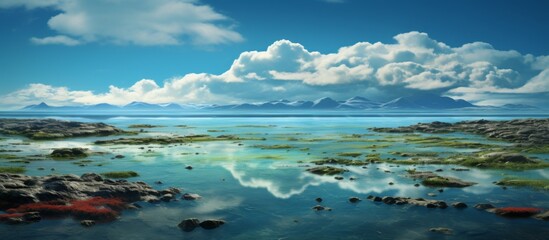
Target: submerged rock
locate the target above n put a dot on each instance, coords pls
(87, 223)
(211, 224)
(326, 170)
(189, 224)
(70, 153)
(442, 230)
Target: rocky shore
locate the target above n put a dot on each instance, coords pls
(86, 196)
(525, 131)
(54, 129)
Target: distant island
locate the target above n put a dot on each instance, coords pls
(412, 102)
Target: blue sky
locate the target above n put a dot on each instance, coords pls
(84, 52)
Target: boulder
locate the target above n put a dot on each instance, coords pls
(189, 224)
(211, 224)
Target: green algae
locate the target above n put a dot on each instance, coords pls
(120, 174)
(542, 184)
(12, 170)
(276, 146)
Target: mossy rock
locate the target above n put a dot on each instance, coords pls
(341, 161)
(69, 153)
(277, 146)
(326, 170)
(120, 174)
(439, 181)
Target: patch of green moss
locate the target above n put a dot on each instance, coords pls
(172, 140)
(376, 146)
(8, 156)
(523, 182)
(535, 149)
(445, 142)
(12, 169)
(326, 170)
(415, 154)
(349, 154)
(340, 161)
(120, 174)
(215, 130)
(276, 146)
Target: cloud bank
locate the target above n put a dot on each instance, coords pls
(413, 63)
(146, 22)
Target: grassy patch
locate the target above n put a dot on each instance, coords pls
(277, 146)
(349, 154)
(523, 182)
(12, 170)
(341, 161)
(120, 174)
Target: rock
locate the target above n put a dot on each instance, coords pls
(68, 187)
(211, 224)
(326, 170)
(321, 208)
(166, 197)
(388, 200)
(87, 223)
(189, 224)
(459, 205)
(190, 196)
(119, 156)
(32, 217)
(484, 206)
(354, 199)
(52, 128)
(338, 178)
(543, 216)
(431, 194)
(158, 182)
(189, 167)
(377, 199)
(442, 230)
(91, 177)
(318, 199)
(70, 153)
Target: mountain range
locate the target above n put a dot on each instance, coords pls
(423, 101)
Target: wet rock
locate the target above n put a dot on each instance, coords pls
(32, 217)
(459, 205)
(338, 178)
(87, 223)
(211, 224)
(388, 200)
(67, 187)
(119, 156)
(166, 197)
(70, 153)
(484, 206)
(543, 216)
(321, 208)
(354, 199)
(190, 196)
(318, 200)
(326, 170)
(442, 230)
(189, 224)
(189, 167)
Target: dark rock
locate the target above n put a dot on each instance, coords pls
(442, 230)
(189, 224)
(87, 223)
(190, 196)
(32, 217)
(459, 205)
(318, 200)
(321, 208)
(211, 224)
(52, 128)
(484, 206)
(119, 156)
(166, 197)
(388, 200)
(189, 167)
(354, 199)
(91, 177)
(69, 153)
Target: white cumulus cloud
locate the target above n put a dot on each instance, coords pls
(413, 63)
(145, 22)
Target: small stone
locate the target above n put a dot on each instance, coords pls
(158, 182)
(430, 205)
(189, 167)
(440, 190)
(190, 196)
(166, 197)
(354, 199)
(391, 183)
(319, 208)
(459, 205)
(87, 223)
(484, 206)
(439, 170)
(119, 156)
(338, 178)
(189, 224)
(211, 224)
(318, 199)
(442, 230)
(416, 185)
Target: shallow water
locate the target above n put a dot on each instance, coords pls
(267, 194)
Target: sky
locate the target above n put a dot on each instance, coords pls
(75, 52)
